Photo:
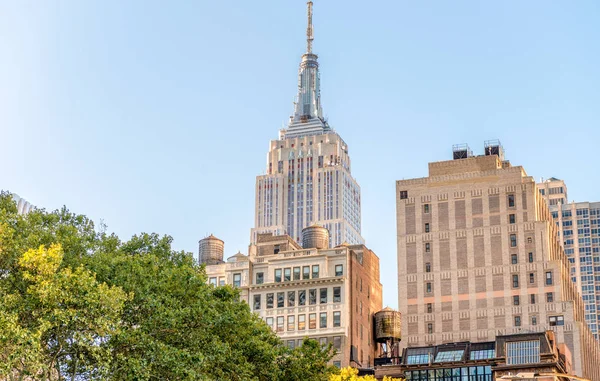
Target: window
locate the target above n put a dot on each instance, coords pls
(515, 280)
(312, 296)
(337, 342)
(280, 299)
(429, 308)
(237, 280)
(427, 227)
(429, 327)
(427, 247)
(291, 322)
(534, 320)
(296, 273)
(269, 322)
(337, 364)
(323, 320)
(403, 195)
(511, 200)
(556, 320)
(270, 300)
(260, 278)
(306, 272)
(322, 341)
(291, 298)
(517, 321)
(337, 294)
(482, 354)
(532, 298)
(323, 296)
(522, 352)
(426, 208)
(301, 322)
(312, 321)
(428, 287)
(302, 297)
(548, 278)
(549, 297)
(446, 356)
(516, 300)
(514, 259)
(291, 344)
(337, 319)
(427, 267)
(277, 275)
(287, 274)
(257, 302)
(531, 257)
(511, 218)
(280, 323)
(221, 281)
(513, 240)
(339, 270)
(213, 281)
(276, 249)
(315, 271)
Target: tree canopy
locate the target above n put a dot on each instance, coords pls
(81, 304)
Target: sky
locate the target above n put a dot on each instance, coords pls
(156, 116)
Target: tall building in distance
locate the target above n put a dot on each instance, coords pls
(578, 225)
(23, 206)
(308, 176)
(478, 257)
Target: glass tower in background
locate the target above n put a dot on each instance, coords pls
(308, 179)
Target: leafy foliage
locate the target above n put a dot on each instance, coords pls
(82, 304)
(351, 374)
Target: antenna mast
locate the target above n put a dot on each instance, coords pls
(309, 29)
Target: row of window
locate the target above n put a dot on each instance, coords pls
(516, 300)
(513, 241)
(298, 322)
(237, 280)
(297, 273)
(426, 207)
(553, 321)
(323, 297)
(514, 259)
(512, 219)
(515, 284)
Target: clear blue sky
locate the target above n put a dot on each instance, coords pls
(156, 116)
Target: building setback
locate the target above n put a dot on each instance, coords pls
(308, 176)
(578, 225)
(478, 257)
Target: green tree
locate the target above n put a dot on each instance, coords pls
(65, 317)
(308, 362)
(84, 304)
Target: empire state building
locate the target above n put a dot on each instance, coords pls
(308, 178)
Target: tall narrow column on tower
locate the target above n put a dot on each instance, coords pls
(308, 178)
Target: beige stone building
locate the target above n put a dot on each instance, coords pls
(478, 257)
(328, 294)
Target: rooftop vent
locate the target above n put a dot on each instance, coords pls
(461, 151)
(494, 147)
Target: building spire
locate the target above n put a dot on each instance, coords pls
(308, 102)
(309, 29)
